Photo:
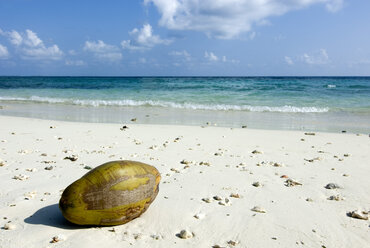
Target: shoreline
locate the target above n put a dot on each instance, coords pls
(325, 122)
(249, 167)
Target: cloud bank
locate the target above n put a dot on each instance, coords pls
(31, 47)
(227, 19)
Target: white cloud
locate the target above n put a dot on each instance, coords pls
(288, 60)
(3, 51)
(143, 39)
(75, 63)
(210, 56)
(334, 5)
(227, 18)
(72, 52)
(252, 35)
(319, 58)
(30, 46)
(15, 38)
(226, 60)
(182, 54)
(103, 51)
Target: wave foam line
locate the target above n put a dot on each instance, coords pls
(148, 103)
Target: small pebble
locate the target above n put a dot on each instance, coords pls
(234, 195)
(217, 198)
(205, 163)
(207, 200)
(124, 128)
(257, 152)
(232, 242)
(335, 198)
(332, 186)
(72, 158)
(225, 202)
(312, 134)
(21, 177)
(57, 239)
(199, 216)
(187, 162)
(155, 236)
(256, 184)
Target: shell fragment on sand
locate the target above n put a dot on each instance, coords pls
(359, 215)
(258, 209)
(9, 226)
(111, 194)
(290, 183)
(185, 234)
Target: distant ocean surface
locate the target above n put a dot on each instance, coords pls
(212, 96)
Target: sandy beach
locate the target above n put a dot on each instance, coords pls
(227, 187)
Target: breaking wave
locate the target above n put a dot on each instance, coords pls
(167, 104)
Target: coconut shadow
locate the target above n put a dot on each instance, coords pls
(51, 216)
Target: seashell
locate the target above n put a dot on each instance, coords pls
(9, 226)
(290, 183)
(355, 214)
(258, 209)
(111, 194)
(185, 234)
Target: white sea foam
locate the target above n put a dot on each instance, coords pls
(331, 86)
(166, 104)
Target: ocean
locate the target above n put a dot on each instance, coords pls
(295, 103)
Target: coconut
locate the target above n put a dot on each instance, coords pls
(113, 193)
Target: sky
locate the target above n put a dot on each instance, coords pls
(185, 38)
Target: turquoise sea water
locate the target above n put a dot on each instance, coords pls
(287, 98)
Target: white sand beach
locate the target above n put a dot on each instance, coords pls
(213, 178)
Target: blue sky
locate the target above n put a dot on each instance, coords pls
(185, 38)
